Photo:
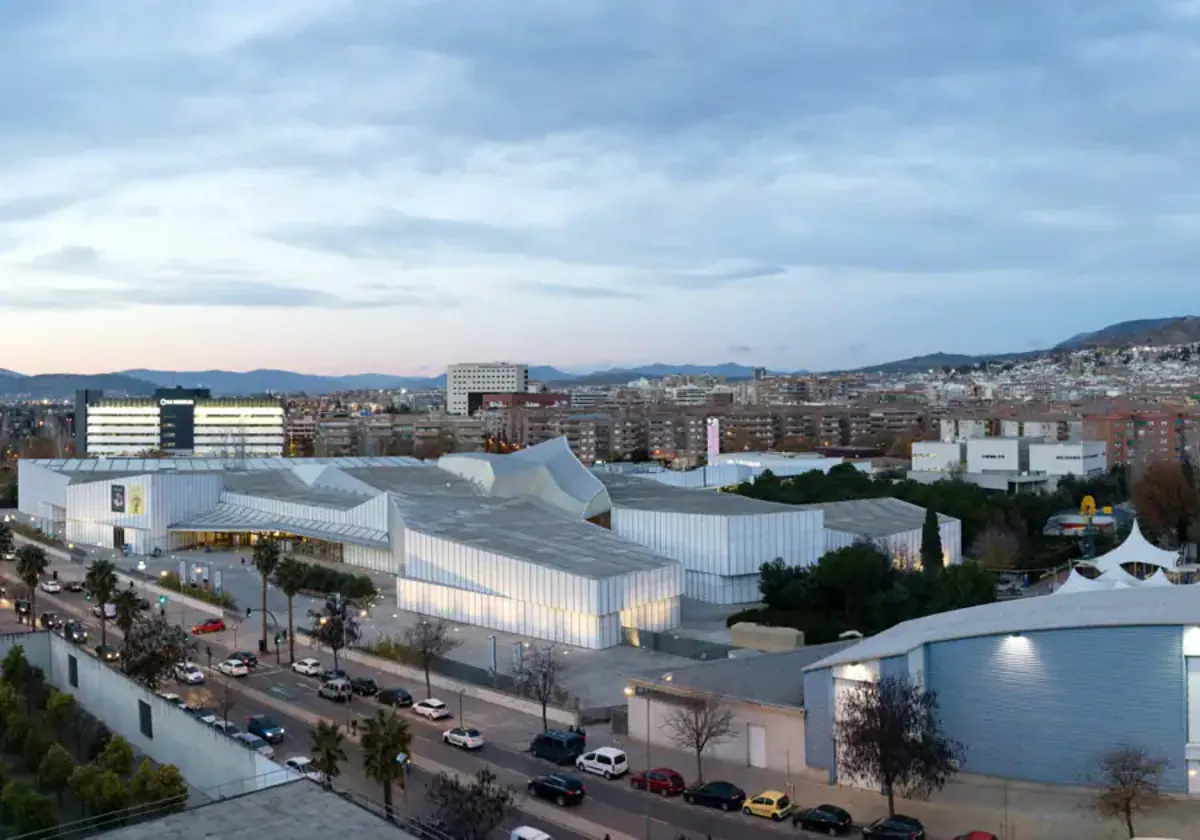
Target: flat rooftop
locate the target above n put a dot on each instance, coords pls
(874, 517)
(299, 810)
(284, 486)
(140, 466)
(629, 491)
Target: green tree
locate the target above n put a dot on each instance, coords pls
(328, 750)
(385, 736)
(36, 746)
(106, 794)
(101, 585)
(60, 713)
(470, 808)
(15, 668)
(266, 560)
(31, 565)
(37, 814)
(962, 585)
(290, 577)
(127, 604)
(856, 573)
(162, 787)
(932, 559)
(336, 626)
(117, 757)
(55, 769)
(429, 641)
(152, 648)
(16, 734)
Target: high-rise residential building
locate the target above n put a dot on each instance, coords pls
(468, 383)
(178, 422)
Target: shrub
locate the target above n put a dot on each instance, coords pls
(172, 582)
(322, 580)
(389, 647)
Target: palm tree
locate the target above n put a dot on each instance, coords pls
(101, 583)
(384, 737)
(290, 577)
(266, 559)
(328, 751)
(31, 565)
(127, 604)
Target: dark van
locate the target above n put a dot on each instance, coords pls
(559, 747)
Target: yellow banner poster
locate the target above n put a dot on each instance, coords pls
(136, 503)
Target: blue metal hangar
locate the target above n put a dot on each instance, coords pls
(1038, 689)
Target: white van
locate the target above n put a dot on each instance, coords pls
(528, 833)
(338, 689)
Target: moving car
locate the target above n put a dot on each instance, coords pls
(245, 657)
(558, 746)
(255, 743)
(608, 762)
(661, 780)
(22, 607)
(189, 673)
(724, 795)
(977, 835)
(51, 620)
(265, 727)
(308, 667)
(75, 586)
(432, 709)
(333, 674)
(560, 788)
(338, 690)
(233, 668)
(827, 819)
(459, 736)
(109, 612)
(50, 585)
(898, 827)
(74, 632)
(771, 804)
(526, 832)
(303, 764)
(209, 625)
(397, 697)
(364, 686)
(107, 653)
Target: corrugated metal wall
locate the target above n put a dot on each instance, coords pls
(1045, 706)
(906, 544)
(375, 559)
(818, 719)
(166, 499)
(38, 488)
(518, 617)
(719, 589)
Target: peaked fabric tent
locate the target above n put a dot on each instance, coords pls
(1136, 549)
(1159, 578)
(1118, 577)
(1076, 582)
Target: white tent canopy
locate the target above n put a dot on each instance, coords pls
(1136, 549)
(1118, 577)
(1159, 578)
(1076, 582)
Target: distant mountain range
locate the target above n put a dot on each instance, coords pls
(142, 382)
(1153, 332)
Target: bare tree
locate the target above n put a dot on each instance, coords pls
(1130, 780)
(997, 547)
(698, 723)
(470, 807)
(429, 640)
(541, 675)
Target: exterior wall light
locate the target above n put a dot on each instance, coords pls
(1014, 635)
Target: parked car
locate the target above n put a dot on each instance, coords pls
(50, 585)
(265, 727)
(364, 686)
(253, 742)
(189, 673)
(109, 612)
(338, 690)
(107, 653)
(609, 762)
(774, 805)
(724, 795)
(977, 835)
(222, 725)
(460, 736)
(245, 657)
(898, 827)
(557, 746)
(432, 708)
(333, 674)
(661, 780)
(827, 819)
(74, 632)
(308, 667)
(303, 764)
(560, 788)
(209, 625)
(397, 697)
(233, 668)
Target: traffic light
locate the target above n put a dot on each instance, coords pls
(162, 600)
(248, 611)
(87, 596)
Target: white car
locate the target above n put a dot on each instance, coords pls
(173, 699)
(189, 673)
(608, 762)
(233, 668)
(220, 724)
(460, 736)
(307, 667)
(303, 764)
(432, 709)
(51, 585)
(253, 742)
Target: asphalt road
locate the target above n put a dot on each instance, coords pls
(611, 804)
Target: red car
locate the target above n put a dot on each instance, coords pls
(661, 780)
(210, 625)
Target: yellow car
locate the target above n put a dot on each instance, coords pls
(773, 804)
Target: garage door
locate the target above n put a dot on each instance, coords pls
(758, 746)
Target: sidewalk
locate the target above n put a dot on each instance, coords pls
(1012, 811)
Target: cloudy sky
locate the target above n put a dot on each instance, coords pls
(391, 185)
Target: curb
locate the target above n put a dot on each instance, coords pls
(555, 816)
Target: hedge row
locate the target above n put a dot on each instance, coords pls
(322, 580)
(171, 581)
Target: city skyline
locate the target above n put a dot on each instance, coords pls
(588, 186)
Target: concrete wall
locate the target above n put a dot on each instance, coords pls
(784, 728)
(818, 720)
(938, 456)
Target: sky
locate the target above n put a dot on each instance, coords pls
(334, 186)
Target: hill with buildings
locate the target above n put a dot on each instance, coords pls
(54, 386)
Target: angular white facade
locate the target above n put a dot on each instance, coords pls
(502, 541)
(938, 456)
(462, 380)
(1080, 459)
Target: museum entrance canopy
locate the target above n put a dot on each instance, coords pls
(229, 518)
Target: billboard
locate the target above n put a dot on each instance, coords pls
(137, 503)
(714, 438)
(118, 498)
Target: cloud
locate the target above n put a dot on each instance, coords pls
(940, 158)
(740, 350)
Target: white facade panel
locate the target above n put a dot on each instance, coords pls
(989, 455)
(938, 456)
(375, 559)
(904, 548)
(1060, 459)
(700, 543)
(38, 487)
(1193, 699)
(722, 589)
(795, 537)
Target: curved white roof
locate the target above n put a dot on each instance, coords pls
(547, 474)
(1144, 605)
(1136, 549)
